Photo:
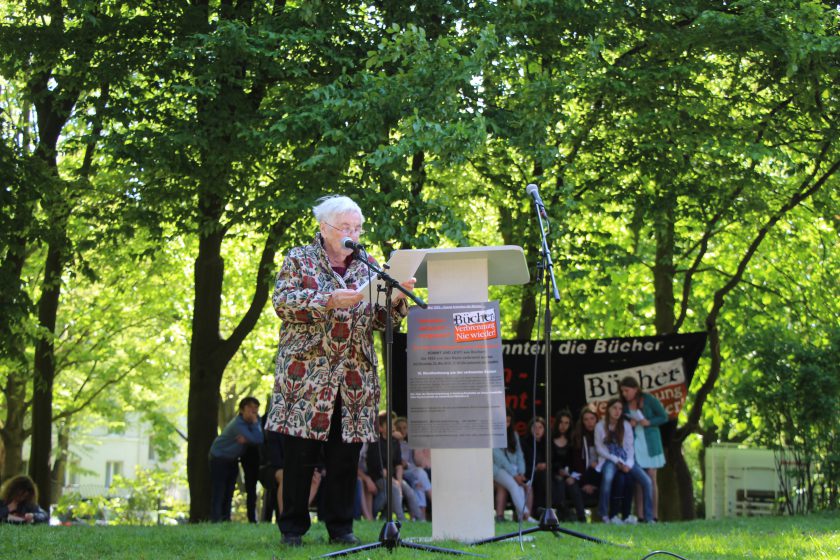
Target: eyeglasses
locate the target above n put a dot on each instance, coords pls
(347, 230)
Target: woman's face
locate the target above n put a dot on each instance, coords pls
(589, 421)
(629, 393)
(538, 429)
(333, 231)
(563, 424)
(615, 411)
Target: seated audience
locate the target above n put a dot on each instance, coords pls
(584, 454)
(509, 476)
(533, 449)
(19, 502)
(564, 484)
(367, 486)
(415, 477)
(376, 455)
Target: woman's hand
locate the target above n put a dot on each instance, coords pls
(344, 298)
(408, 285)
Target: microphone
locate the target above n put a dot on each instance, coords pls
(533, 191)
(350, 244)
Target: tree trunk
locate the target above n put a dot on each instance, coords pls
(210, 354)
(39, 457)
(53, 112)
(676, 491)
(205, 371)
(524, 324)
(59, 469)
(13, 432)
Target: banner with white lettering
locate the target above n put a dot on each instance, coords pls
(586, 372)
(455, 387)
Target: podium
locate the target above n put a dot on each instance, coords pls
(462, 479)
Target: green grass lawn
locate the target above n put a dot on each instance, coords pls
(812, 537)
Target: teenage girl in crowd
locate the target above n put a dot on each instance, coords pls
(533, 448)
(646, 414)
(584, 454)
(614, 442)
(564, 482)
(509, 476)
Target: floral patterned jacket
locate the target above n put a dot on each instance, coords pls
(323, 351)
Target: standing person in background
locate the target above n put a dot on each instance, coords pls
(226, 450)
(614, 442)
(645, 414)
(19, 502)
(250, 461)
(326, 389)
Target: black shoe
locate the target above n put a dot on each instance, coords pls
(292, 540)
(347, 538)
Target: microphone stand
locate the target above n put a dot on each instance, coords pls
(389, 535)
(548, 519)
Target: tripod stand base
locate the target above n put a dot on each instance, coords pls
(389, 538)
(548, 523)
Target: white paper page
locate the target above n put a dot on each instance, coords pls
(403, 265)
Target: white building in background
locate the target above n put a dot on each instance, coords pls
(97, 455)
(741, 481)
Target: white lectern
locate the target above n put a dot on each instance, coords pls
(462, 479)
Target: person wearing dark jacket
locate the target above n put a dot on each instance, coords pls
(533, 449)
(19, 502)
(226, 450)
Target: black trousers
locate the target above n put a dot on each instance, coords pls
(223, 474)
(339, 485)
(251, 470)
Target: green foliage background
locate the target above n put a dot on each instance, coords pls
(157, 160)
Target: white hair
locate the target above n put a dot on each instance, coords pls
(329, 207)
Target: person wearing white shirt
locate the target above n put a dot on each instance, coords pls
(614, 443)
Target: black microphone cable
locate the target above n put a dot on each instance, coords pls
(655, 552)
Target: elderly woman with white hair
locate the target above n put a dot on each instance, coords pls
(326, 388)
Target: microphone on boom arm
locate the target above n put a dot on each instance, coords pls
(350, 244)
(533, 191)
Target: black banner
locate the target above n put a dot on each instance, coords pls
(584, 372)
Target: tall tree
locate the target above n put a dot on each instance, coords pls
(66, 56)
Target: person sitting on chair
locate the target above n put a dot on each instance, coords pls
(509, 476)
(564, 485)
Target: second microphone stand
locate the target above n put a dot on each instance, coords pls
(389, 535)
(548, 519)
